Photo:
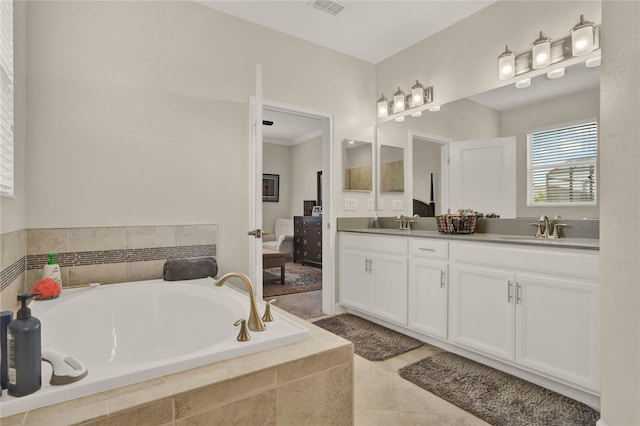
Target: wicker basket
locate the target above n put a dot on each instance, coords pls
(453, 224)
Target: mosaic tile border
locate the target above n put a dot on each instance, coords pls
(100, 257)
(10, 274)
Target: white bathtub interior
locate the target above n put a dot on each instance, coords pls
(131, 332)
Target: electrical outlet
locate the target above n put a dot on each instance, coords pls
(397, 205)
(370, 204)
(380, 204)
(350, 204)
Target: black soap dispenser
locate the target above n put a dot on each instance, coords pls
(24, 351)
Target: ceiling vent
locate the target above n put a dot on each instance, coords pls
(327, 6)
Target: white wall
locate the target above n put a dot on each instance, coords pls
(306, 161)
(620, 213)
(519, 121)
(276, 159)
(462, 60)
(138, 113)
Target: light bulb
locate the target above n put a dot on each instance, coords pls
(506, 64)
(383, 107)
(582, 37)
(541, 52)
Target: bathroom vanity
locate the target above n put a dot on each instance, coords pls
(528, 306)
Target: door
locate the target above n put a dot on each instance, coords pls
(328, 232)
(255, 189)
(481, 310)
(428, 297)
(557, 327)
(355, 279)
(483, 176)
(389, 287)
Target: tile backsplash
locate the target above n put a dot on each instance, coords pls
(105, 254)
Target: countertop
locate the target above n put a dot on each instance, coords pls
(575, 243)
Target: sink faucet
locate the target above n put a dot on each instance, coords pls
(545, 224)
(255, 323)
(405, 222)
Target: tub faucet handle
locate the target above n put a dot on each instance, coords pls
(243, 336)
(267, 317)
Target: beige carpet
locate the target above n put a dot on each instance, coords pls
(495, 397)
(371, 341)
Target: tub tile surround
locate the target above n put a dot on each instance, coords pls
(101, 254)
(310, 382)
(13, 248)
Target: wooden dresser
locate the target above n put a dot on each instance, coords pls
(307, 239)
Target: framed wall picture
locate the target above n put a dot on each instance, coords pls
(308, 207)
(317, 211)
(270, 188)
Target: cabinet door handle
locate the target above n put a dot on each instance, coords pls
(509, 285)
(426, 249)
(441, 279)
(518, 288)
(370, 266)
(366, 265)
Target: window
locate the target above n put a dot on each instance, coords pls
(6, 99)
(562, 165)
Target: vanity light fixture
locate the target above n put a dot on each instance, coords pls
(583, 37)
(541, 52)
(383, 106)
(403, 105)
(507, 64)
(399, 101)
(417, 96)
(523, 84)
(555, 74)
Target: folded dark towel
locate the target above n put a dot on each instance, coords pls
(189, 269)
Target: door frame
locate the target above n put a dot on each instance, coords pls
(444, 167)
(328, 216)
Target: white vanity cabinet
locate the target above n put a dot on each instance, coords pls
(373, 275)
(428, 287)
(535, 307)
(481, 316)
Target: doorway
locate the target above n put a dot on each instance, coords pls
(295, 166)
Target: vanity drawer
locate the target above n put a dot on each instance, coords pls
(374, 243)
(425, 247)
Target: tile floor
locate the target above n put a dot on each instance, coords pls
(382, 397)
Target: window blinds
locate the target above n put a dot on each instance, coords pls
(562, 165)
(6, 98)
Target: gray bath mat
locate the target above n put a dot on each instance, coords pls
(370, 340)
(495, 397)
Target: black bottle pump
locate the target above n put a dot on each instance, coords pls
(24, 350)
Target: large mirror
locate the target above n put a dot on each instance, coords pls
(357, 165)
(503, 112)
(391, 169)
